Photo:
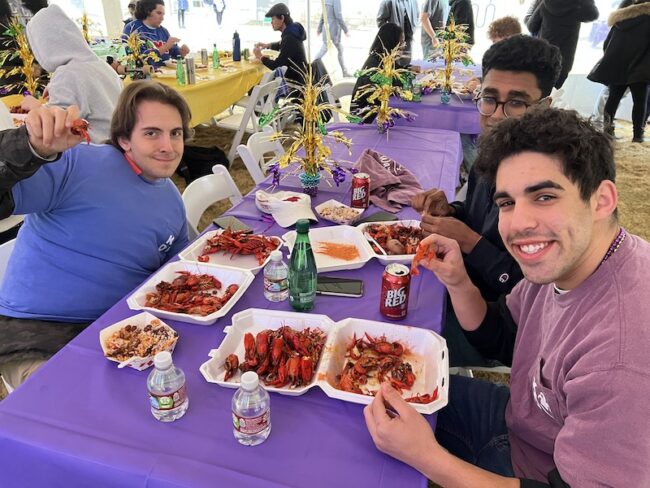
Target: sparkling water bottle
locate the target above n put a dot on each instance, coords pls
(215, 57)
(251, 411)
(302, 270)
(180, 71)
(276, 283)
(166, 385)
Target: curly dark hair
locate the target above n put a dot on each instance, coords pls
(144, 7)
(586, 154)
(504, 27)
(526, 54)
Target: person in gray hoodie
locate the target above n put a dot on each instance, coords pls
(78, 76)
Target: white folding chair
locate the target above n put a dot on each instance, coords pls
(259, 152)
(268, 76)
(5, 252)
(205, 191)
(340, 94)
(248, 120)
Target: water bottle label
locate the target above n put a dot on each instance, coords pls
(251, 425)
(276, 286)
(168, 401)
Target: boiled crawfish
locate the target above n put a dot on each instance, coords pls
(190, 294)
(408, 237)
(284, 356)
(423, 252)
(80, 128)
(239, 242)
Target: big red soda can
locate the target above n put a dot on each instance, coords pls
(395, 291)
(360, 190)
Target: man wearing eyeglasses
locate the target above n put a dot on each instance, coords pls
(518, 72)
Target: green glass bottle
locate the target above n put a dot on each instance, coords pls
(215, 57)
(302, 270)
(180, 71)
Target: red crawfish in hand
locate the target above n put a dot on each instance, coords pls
(80, 128)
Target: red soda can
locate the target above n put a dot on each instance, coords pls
(395, 291)
(360, 190)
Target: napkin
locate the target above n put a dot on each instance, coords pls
(392, 186)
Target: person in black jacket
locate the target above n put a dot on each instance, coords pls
(558, 22)
(388, 37)
(518, 72)
(626, 63)
(291, 48)
(462, 13)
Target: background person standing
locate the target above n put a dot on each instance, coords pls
(404, 13)
(626, 63)
(434, 16)
(182, 7)
(335, 24)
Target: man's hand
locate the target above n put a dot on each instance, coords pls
(407, 437)
(452, 228)
(185, 50)
(432, 202)
(257, 51)
(447, 265)
(29, 103)
(48, 128)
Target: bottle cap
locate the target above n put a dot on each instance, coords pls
(302, 226)
(162, 360)
(276, 255)
(249, 380)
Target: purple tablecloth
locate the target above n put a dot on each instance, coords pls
(79, 421)
(460, 115)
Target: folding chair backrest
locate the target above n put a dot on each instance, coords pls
(258, 153)
(335, 94)
(265, 96)
(5, 253)
(205, 191)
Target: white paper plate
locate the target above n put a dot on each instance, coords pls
(335, 203)
(256, 320)
(395, 258)
(226, 274)
(428, 353)
(141, 321)
(340, 234)
(248, 263)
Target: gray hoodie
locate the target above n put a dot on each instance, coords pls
(78, 76)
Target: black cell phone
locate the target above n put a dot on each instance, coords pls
(233, 222)
(343, 287)
(378, 217)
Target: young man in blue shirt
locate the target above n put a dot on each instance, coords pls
(100, 220)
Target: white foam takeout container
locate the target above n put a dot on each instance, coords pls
(395, 258)
(344, 234)
(140, 320)
(335, 203)
(245, 262)
(428, 353)
(226, 274)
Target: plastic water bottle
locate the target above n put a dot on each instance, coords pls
(180, 71)
(251, 411)
(276, 283)
(236, 47)
(215, 57)
(166, 385)
(302, 270)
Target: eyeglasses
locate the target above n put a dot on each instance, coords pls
(131, 5)
(511, 108)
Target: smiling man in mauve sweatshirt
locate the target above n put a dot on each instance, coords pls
(574, 330)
